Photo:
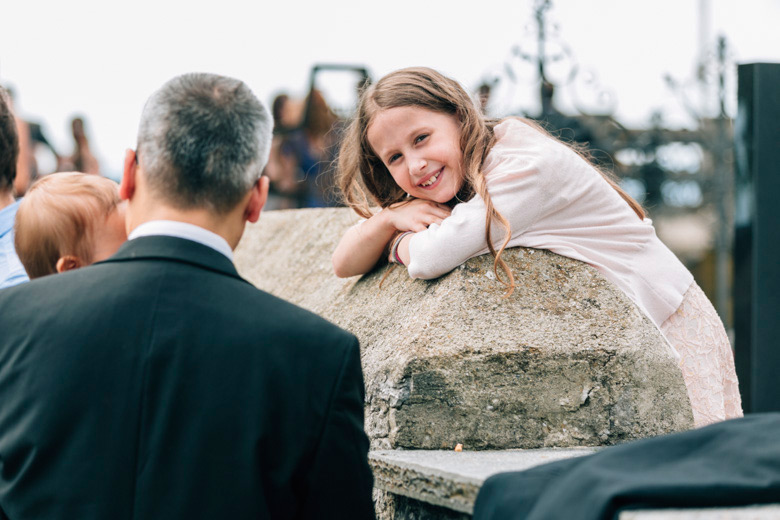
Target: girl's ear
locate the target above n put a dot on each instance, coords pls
(68, 263)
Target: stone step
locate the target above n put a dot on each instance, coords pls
(443, 484)
(762, 512)
(452, 479)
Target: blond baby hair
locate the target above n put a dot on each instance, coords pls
(57, 218)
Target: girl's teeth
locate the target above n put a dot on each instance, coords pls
(431, 180)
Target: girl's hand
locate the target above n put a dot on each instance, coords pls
(363, 245)
(417, 214)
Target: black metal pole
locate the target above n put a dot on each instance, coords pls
(757, 237)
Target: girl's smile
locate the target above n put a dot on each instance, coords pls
(421, 150)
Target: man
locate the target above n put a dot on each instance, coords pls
(11, 270)
(158, 383)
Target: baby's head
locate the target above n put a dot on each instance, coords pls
(68, 220)
(362, 169)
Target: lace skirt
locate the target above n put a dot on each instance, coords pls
(707, 362)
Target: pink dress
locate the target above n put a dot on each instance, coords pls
(706, 359)
(556, 200)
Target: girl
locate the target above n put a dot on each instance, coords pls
(453, 185)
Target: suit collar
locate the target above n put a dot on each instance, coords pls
(177, 249)
(174, 228)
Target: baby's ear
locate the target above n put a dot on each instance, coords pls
(68, 263)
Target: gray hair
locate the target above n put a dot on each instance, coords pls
(203, 141)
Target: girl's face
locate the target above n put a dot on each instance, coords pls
(421, 150)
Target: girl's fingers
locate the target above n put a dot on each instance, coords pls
(418, 215)
(436, 220)
(439, 215)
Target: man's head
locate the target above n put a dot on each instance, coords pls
(9, 144)
(203, 142)
(68, 220)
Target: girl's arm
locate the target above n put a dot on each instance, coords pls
(528, 175)
(440, 249)
(364, 244)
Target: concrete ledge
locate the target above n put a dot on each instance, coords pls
(764, 512)
(452, 479)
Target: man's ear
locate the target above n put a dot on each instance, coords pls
(257, 199)
(68, 263)
(127, 186)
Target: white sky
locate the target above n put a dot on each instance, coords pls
(102, 58)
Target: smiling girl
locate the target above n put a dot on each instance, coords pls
(453, 185)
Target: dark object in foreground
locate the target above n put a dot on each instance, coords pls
(757, 237)
(732, 463)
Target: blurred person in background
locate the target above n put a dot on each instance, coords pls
(82, 160)
(11, 270)
(281, 169)
(25, 160)
(311, 151)
(44, 155)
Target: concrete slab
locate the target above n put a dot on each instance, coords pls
(766, 512)
(452, 479)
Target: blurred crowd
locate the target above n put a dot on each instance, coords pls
(53, 203)
(301, 166)
(33, 143)
(302, 162)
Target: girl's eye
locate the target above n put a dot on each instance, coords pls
(420, 138)
(393, 158)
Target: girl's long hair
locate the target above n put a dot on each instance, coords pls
(364, 180)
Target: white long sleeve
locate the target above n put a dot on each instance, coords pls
(516, 191)
(556, 200)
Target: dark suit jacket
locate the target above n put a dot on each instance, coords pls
(732, 463)
(160, 384)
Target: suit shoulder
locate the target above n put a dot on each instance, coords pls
(296, 319)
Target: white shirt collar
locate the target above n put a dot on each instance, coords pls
(172, 228)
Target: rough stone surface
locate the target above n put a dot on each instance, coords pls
(567, 360)
(406, 508)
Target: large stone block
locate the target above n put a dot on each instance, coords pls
(567, 360)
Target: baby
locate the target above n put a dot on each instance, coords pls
(68, 220)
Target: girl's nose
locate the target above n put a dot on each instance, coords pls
(417, 165)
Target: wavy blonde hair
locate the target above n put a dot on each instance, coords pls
(365, 182)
